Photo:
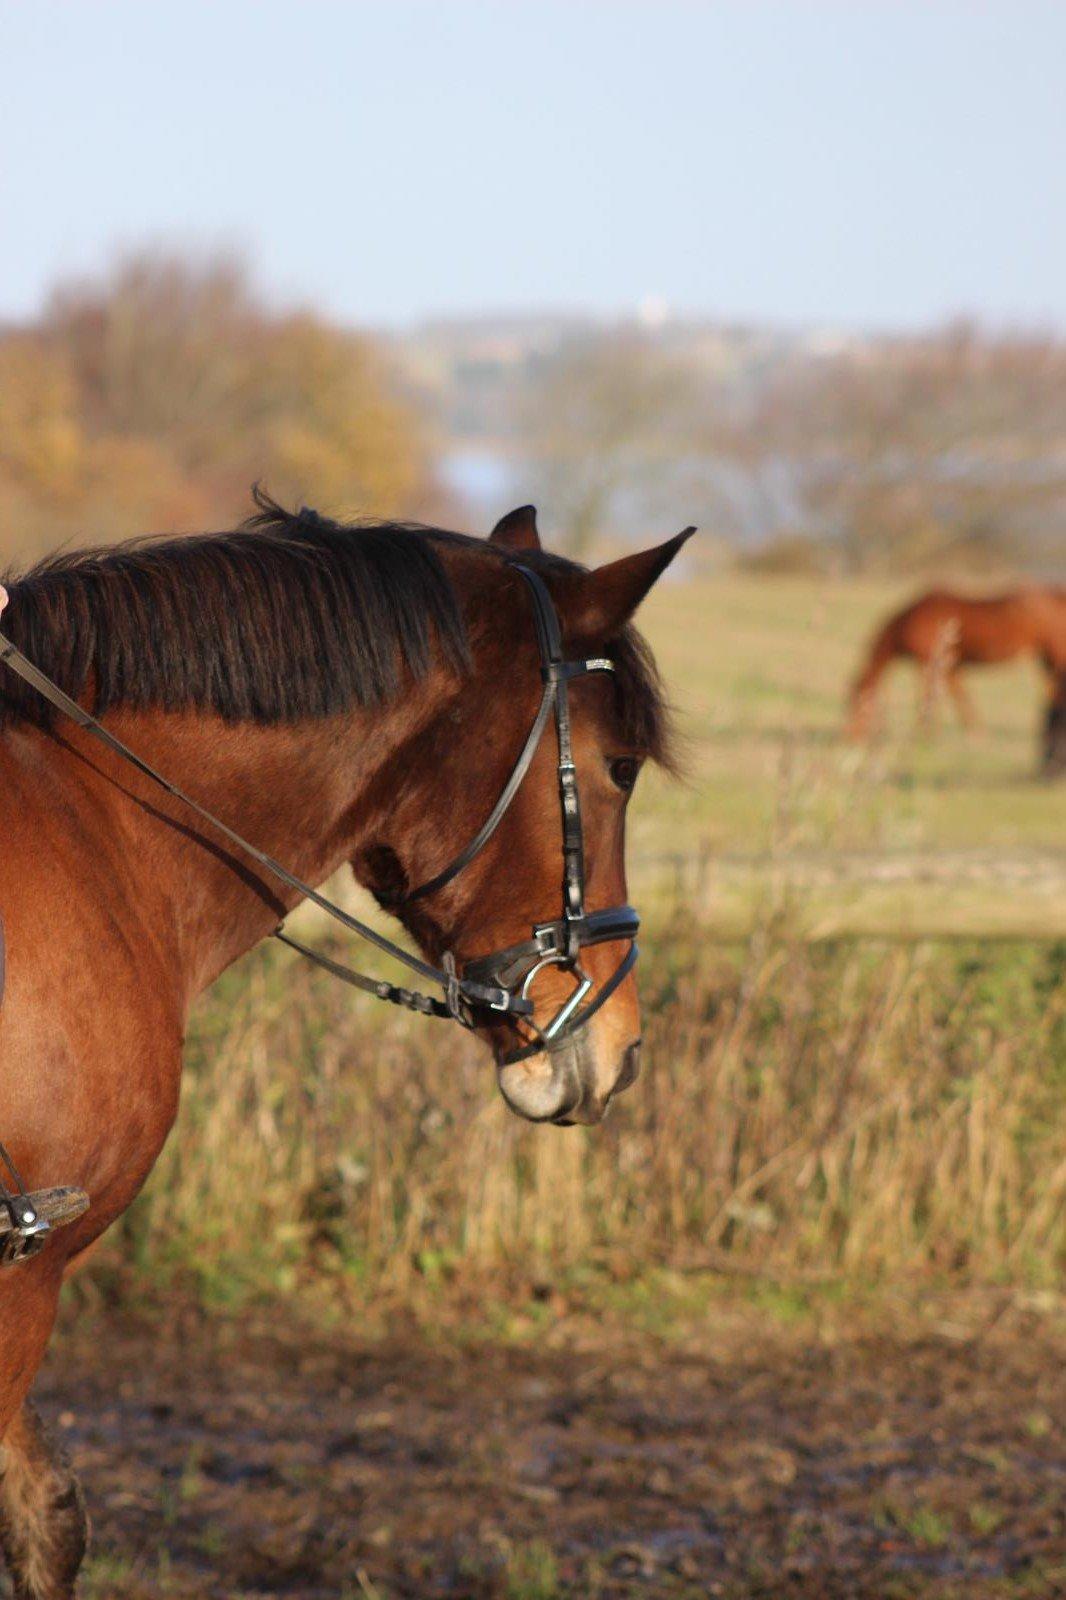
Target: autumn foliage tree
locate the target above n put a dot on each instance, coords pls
(150, 401)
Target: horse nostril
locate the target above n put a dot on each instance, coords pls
(630, 1067)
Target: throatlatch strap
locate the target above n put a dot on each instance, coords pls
(499, 810)
(556, 673)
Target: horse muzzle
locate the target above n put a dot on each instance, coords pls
(562, 1084)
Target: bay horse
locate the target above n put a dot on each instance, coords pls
(943, 632)
(343, 694)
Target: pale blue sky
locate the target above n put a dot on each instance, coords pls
(860, 163)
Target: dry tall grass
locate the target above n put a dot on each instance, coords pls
(853, 1111)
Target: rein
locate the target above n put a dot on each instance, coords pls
(497, 983)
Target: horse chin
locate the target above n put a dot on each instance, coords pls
(555, 1085)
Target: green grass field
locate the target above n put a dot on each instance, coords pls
(759, 669)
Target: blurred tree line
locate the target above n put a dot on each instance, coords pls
(150, 401)
(869, 455)
(947, 450)
(607, 420)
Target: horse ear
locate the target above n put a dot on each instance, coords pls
(517, 530)
(597, 604)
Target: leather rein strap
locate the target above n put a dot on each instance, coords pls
(488, 982)
(13, 657)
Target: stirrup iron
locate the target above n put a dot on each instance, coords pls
(27, 1219)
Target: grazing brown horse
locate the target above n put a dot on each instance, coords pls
(339, 694)
(944, 632)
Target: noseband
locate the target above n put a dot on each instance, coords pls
(492, 986)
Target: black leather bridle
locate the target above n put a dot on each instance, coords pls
(557, 943)
(491, 987)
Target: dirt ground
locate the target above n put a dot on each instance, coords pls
(228, 1462)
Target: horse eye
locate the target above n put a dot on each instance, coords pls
(624, 772)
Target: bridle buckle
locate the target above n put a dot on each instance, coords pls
(546, 938)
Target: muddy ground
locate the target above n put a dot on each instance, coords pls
(775, 1462)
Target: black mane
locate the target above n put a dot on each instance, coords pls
(289, 617)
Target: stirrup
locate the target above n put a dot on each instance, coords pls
(27, 1219)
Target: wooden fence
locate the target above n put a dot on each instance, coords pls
(895, 896)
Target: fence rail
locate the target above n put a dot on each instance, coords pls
(904, 897)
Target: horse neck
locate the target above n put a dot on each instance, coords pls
(306, 793)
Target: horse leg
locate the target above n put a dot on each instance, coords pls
(1054, 676)
(1053, 762)
(44, 1527)
(928, 684)
(963, 704)
(43, 1524)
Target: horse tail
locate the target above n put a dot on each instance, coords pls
(882, 652)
